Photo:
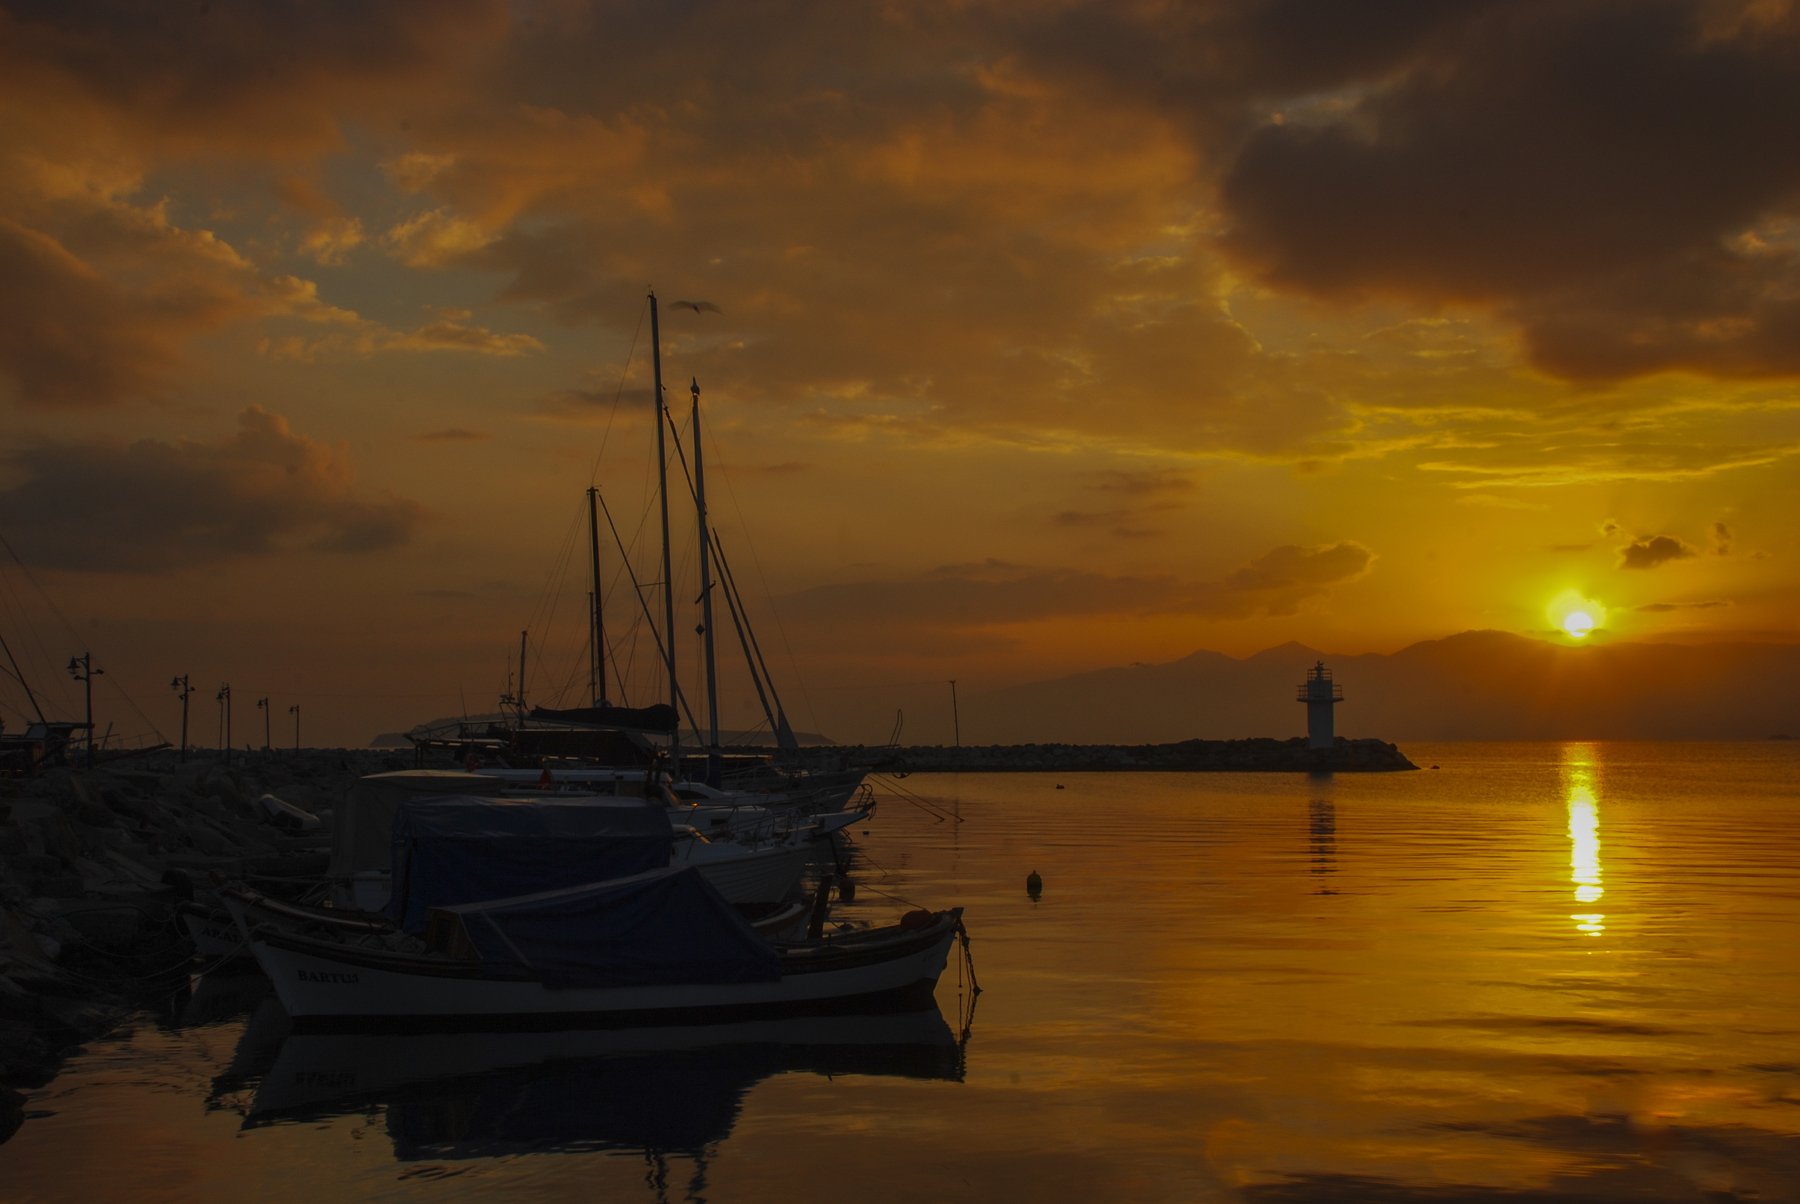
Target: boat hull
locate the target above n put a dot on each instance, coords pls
(322, 982)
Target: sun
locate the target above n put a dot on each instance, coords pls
(1575, 615)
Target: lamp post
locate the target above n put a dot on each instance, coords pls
(82, 670)
(262, 704)
(224, 698)
(295, 712)
(182, 690)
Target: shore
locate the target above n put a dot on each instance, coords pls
(93, 862)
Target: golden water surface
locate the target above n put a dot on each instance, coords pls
(1534, 973)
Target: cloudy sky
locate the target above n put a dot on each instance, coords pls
(1048, 336)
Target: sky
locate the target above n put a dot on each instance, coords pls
(1038, 337)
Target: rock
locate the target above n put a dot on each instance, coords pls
(286, 816)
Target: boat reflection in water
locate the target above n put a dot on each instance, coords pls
(1584, 836)
(675, 1090)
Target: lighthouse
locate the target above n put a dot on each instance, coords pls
(1319, 695)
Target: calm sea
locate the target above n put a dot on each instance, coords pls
(1532, 973)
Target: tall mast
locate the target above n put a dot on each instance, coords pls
(706, 608)
(662, 493)
(597, 663)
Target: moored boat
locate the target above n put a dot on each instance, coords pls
(659, 947)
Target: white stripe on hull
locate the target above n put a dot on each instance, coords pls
(760, 876)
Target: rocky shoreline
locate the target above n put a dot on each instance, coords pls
(93, 862)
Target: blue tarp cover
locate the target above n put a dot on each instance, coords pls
(665, 926)
(457, 849)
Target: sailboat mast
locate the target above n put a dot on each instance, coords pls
(597, 663)
(706, 607)
(662, 493)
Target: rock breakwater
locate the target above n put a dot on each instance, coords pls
(92, 863)
(1227, 756)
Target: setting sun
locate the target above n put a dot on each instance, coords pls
(1574, 614)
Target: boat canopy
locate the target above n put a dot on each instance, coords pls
(658, 718)
(454, 849)
(661, 927)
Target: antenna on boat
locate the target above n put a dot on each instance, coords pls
(597, 662)
(662, 493)
(706, 607)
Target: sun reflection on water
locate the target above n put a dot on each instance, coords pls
(1584, 836)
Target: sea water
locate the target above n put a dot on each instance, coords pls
(1527, 973)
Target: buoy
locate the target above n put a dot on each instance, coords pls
(1034, 885)
(1059, 785)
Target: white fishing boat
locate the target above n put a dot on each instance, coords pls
(659, 947)
(241, 908)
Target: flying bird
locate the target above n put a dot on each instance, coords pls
(699, 307)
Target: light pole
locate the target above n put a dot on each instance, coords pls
(262, 704)
(82, 670)
(224, 697)
(295, 712)
(182, 690)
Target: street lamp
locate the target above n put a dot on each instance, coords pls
(224, 698)
(262, 704)
(295, 712)
(182, 690)
(82, 670)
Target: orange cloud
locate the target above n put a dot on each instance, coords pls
(99, 505)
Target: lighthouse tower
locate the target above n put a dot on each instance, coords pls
(1319, 695)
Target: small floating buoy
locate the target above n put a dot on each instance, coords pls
(1034, 885)
(1059, 785)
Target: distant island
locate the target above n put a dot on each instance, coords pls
(1230, 756)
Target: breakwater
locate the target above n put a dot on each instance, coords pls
(93, 862)
(1200, 756)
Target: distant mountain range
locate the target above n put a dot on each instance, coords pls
(745, 739)
(1479, 685)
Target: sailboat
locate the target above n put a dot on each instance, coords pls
(605, 746)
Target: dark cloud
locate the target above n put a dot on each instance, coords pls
(1721, 538)
(988, 593)
(1600, 171)
(267, 79)
(996, 593)
(71, 336)
(1120, 524)
(1651, 551)
(1657, 608)
(453, 434)
(151, 507)
(1281, 581)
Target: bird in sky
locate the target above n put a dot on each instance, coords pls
(699, 307)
